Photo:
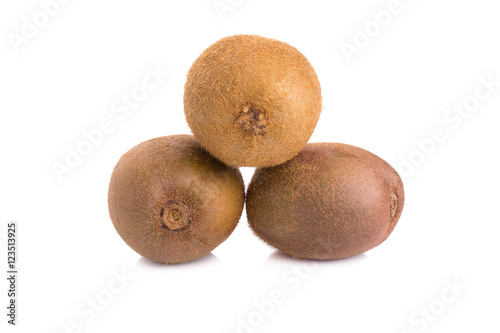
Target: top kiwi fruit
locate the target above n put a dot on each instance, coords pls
(330, 201)
(172, 202)
(252, 101)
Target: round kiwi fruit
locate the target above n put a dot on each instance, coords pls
(252, 101)
(330, 201)
(172, 202)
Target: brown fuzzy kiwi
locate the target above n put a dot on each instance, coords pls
(330, 201)
(252, 101)
(172, 202)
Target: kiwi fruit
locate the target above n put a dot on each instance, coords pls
(252, 101)
(331, 201)
(172, 202)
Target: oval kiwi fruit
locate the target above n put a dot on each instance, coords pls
(252, 101)
(330, 201)
(172, 202)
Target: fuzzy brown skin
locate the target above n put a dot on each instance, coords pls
(172, 202)
(252, 101)
(331, 201)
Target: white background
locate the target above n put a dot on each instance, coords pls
(65, 78)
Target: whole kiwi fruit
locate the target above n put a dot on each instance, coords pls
(172, 202)
(330, 201)
(252, 101)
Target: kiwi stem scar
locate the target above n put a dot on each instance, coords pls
(175, 216)
(251, 119)
(394, 204)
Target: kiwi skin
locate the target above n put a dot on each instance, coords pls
(252, 101)
(172, 202)
(331, 201)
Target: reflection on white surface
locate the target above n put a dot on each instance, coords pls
(278, 256)
(209, 259)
